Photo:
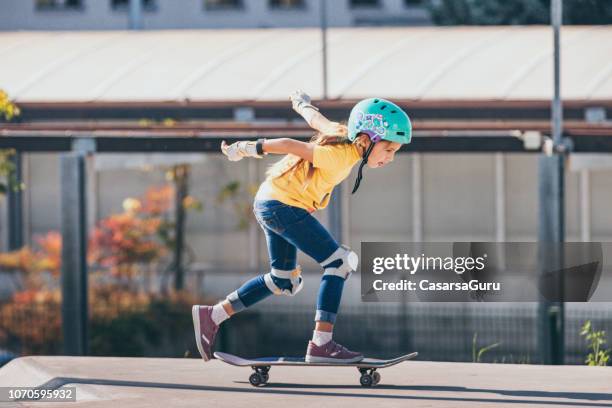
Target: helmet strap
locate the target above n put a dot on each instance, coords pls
(363, 162)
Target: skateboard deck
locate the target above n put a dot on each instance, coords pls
(367, 367)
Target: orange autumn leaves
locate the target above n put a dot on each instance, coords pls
(140, 234)
(32, 263)
(125, 239)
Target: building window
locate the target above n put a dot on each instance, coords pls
(365, 3)
(59, 4)
(287, 4)
(223, 4)
(124, 5)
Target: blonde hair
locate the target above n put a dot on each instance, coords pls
(293, 163)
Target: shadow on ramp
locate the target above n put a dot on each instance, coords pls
(370, 393)
(513, 393)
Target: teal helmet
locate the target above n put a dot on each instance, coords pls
(380, 119)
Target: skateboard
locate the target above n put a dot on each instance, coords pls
(261, 366)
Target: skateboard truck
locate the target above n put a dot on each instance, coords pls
(260, 376)
(369, 376)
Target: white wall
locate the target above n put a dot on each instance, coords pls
(457, 192)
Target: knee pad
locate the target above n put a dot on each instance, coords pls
(295, 276)
(343, 262)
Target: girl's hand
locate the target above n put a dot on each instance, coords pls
(300, 100)
(238, 150)
(230, 151)
(301, 104)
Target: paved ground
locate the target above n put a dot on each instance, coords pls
(158, 382)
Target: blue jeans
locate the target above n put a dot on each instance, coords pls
(287, 229)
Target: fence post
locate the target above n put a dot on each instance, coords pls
(74, 248)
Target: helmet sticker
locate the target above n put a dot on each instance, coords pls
(372, 123)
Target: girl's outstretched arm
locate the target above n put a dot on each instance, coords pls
(236, 151)
(301, 103)
(322, 124)
(285, 145)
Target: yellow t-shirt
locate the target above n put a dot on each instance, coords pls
(331, 164)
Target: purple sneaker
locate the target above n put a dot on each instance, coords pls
(205, 330)
(331, 352)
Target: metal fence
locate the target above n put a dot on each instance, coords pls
(439, 332)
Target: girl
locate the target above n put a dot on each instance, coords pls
(295, 187)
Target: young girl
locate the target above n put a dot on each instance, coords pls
(295, 187)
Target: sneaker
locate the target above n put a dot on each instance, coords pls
(205, 330)
(331, 352)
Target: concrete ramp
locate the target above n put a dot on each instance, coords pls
(160, 382)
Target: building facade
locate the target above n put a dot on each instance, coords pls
(197, 14)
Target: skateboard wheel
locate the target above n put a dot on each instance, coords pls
(375, 377)
(256, 379)
(366, 380)
(266, 377)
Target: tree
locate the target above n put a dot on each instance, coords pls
(519, 12)
(8, 111)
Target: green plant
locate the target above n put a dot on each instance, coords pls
(512, 360)
(596, 341)
(239, 196)
(8, 109)
(477, 355)
(9, 171)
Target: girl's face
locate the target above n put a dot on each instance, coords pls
(382, 153)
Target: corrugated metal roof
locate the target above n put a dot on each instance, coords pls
(420, 63)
